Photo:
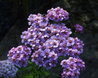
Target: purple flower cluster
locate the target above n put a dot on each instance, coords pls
(72, 67)
(50, 41)
(7, 69)
(37, 19)
(78, 28)
(55, 37)
(45, 58)
(75, 47)
(57, 14)
(40, 36)
(19, 55)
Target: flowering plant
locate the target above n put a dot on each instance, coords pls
(46, 41)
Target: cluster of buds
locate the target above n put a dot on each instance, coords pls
(78, 28)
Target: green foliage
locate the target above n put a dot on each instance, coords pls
(32, 71)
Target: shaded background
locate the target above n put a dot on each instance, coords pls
(13, 20)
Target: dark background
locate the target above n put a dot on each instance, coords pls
(13, 20)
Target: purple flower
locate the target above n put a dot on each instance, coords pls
(51, 43)
(57, 14)
(19, 55)
(53, 55)
(7, 69)
(72, 67)
(70, 41)
(78, 28)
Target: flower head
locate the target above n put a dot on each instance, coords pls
(78, 28)
(19, 55)
(57, 14)
(72, 67)
(37, 19)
